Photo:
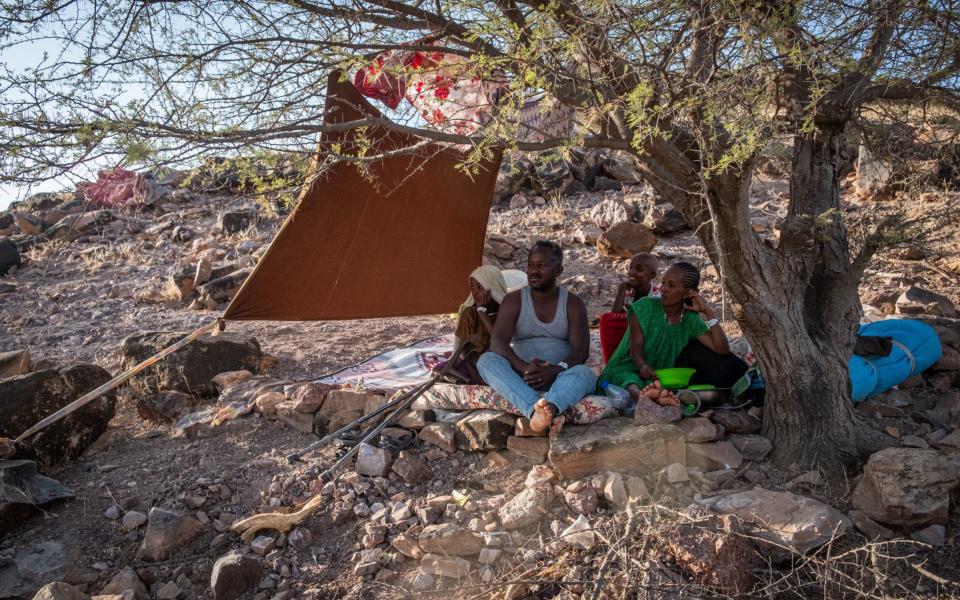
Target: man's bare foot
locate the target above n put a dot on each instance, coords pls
(668, 398)
(653, 390)
(556, 425)
(543, 415)
(523, 429)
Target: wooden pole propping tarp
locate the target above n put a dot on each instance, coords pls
(119, 379)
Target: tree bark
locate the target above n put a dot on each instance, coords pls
(796, 303)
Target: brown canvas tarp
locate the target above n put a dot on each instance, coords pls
(399, 240)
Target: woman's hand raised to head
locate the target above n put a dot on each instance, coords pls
(481, 297)
(696, 303)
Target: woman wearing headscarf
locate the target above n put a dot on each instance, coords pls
(667, 332)
(475, 321)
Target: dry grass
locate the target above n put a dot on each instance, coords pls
(631, 561)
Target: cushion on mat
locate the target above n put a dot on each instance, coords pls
(448, 396)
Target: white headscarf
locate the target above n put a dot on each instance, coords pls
(490, 278)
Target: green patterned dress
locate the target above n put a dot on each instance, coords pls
(662, 342)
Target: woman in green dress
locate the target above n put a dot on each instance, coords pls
(660, 329)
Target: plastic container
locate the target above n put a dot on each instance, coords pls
(689, 402)
(620, 397)
(674, 379)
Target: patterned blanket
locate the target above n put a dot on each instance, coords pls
(404, 368)
(394, 370)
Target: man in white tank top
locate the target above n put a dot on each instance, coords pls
(540, 343)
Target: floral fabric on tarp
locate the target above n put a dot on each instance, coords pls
(438, 85)
(448, 97)
(447, 396)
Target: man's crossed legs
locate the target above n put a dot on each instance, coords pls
(541, 407)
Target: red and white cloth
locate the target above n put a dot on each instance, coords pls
(450, 97)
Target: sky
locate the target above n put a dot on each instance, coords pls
(20, 58)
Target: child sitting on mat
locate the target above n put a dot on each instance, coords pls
(638, 284)
(475, 321)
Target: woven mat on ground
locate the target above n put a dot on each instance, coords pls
(395, 370)
(404, 368)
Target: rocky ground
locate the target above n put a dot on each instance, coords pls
(467, 507)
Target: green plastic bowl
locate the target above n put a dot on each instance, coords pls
(675, 378)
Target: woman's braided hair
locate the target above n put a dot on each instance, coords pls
(689, 274)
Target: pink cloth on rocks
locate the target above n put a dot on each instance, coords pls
(115, 188)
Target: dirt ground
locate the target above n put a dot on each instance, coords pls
(76, 302)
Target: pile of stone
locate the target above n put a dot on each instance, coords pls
(585, 471)
(524, 182)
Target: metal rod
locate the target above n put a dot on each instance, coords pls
(327, 475)
(291, 458)
(116, 381)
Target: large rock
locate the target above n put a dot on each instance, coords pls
(736, 421)
(59, 590)
(233, 574)
(309, 397)
(452, 567)
(526, 508)
(698, 430)
(341, 407)
(534, 449)
(373, 461)
(191, 368)
(484, 430)
(441, 435)
(665, 219)
(625, 239)
(9, 255)
(13, 363)
(294, 419)
(164, 407)
(223, 289)
(907, 487)
(608, 213)
(166, 531)
(21, 483)
(918, 301)
(784, 519)
(714, 553)
(752, 447)
(126, 580)
(874, 176)
(447, 539)
(37, 566)
(616, 445)
(26, 399)
(714, 457)
(235, 221)
(411, 469)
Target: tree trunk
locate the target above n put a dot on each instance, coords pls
(809, 415)
(796, 303)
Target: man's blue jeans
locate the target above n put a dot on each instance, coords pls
(568, 388)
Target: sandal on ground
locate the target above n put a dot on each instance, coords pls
(396, 444)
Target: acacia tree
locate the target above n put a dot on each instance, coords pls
(694, 89)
